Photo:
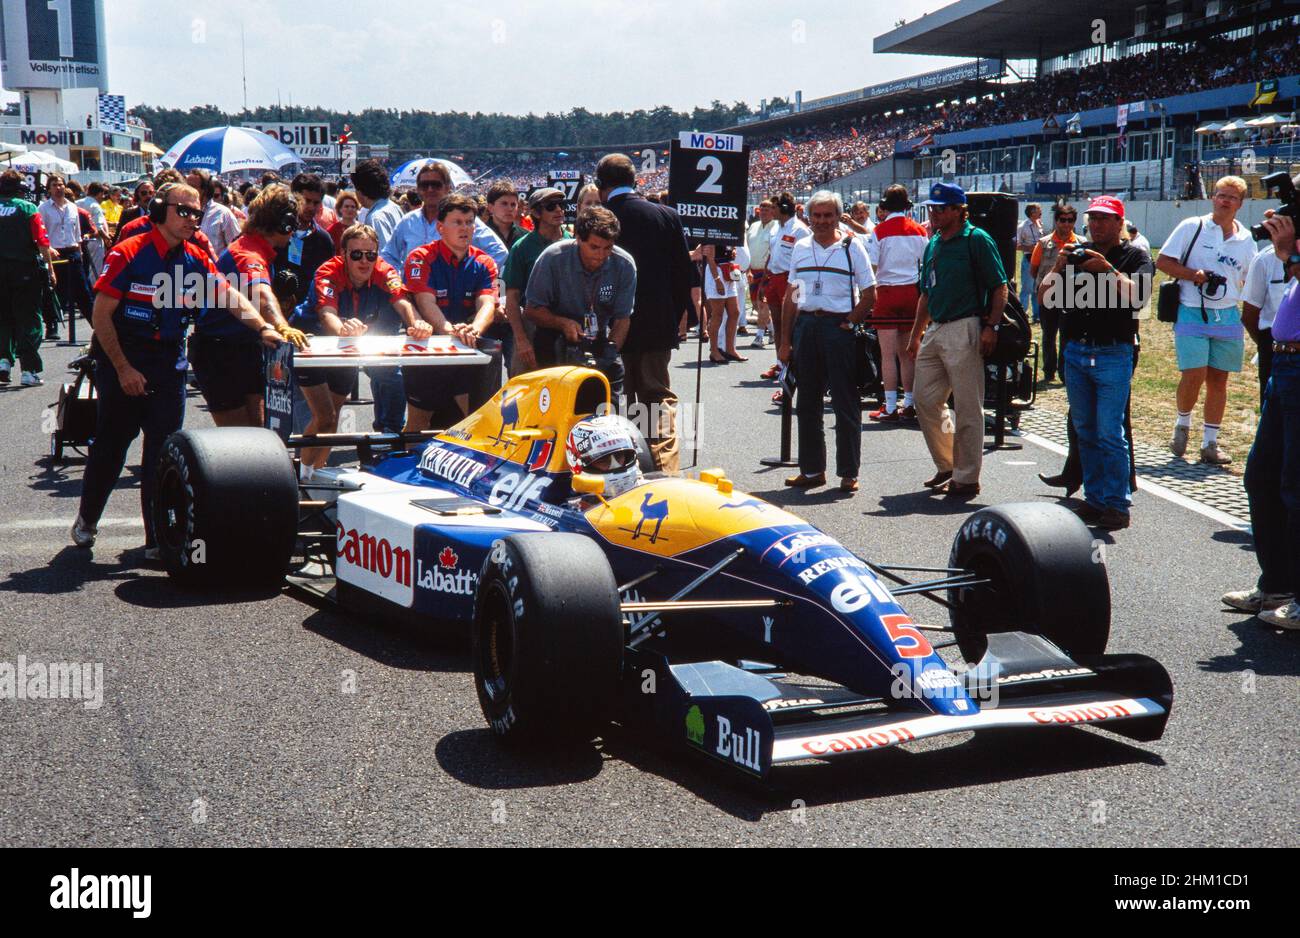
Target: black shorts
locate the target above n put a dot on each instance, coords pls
(228, 370)
(340, 380)
(432, 385)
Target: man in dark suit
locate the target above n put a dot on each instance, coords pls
(653, 235)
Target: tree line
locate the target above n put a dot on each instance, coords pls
(453, 130)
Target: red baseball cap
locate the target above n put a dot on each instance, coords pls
(1107, 205)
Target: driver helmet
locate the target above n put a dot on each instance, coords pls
(604, 446)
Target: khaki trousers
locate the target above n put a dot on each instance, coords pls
(646, 381)
(949, 362)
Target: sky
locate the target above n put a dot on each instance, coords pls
(511, 57)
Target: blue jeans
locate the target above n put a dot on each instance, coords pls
(1273, 479)
(1028, 295)
(389, 393)
(1097, 379)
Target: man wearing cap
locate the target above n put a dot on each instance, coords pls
(546, 206)
(1100, 294)
(963, 293)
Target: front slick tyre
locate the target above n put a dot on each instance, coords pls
(225, 508)
(1046, 577)
(548, 639)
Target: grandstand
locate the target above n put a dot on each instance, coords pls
(1167, 101)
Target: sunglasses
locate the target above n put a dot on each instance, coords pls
(1062, 218)
(185, 212)
(551, 206)
(434, 184)
(368, 255)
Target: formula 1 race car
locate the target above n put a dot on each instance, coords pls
(678, 606)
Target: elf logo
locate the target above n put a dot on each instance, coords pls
(515, 490)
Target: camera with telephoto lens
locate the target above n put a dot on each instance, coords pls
(1076, 256)
(1287, 195)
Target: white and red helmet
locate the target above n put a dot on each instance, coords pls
(604, 446)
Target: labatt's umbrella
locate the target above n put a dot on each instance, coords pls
(405, 174)
(228, 150)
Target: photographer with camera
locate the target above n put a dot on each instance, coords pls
(1273, 467)
(580, 296)
(1208, 334)
(1100, 286)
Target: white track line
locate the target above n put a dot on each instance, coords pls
(39, 524)
(1156, 489)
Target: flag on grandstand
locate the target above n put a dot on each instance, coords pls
(1121, 122)
(1075, 124)
(853, 131)
(112, 112)
(1051, 126)
(1265, 92)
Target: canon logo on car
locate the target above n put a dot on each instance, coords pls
(1080, 714)
(874, 739)
(374, 554)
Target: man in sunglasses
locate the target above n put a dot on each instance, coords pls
(143, 303)
(226, 357)
(1041, 261)
(546, 206)
(417, 229)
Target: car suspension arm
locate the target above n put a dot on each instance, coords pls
(645, 628)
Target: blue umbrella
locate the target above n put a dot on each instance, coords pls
(405, 174)
(229, 149)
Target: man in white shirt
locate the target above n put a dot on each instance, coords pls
(218, 222)
(758, 240)
(790, 230)
(1266, 281)
(1029, 234)
(831, 288)
(1208, 336)
(90, 202)
(63, 225)
(372, 188)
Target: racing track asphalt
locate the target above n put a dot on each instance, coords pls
(224, 720)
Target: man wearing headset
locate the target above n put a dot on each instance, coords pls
(143, 303)
(227, 357)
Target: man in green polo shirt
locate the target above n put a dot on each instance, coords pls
(546, 206)
(22, 241)
(963, 291)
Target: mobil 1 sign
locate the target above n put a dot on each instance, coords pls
(708, 184)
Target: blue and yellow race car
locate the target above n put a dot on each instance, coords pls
(600, 592)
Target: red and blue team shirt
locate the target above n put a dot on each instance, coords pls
(372, 302)
(248, 261)
(139, 274)
(456, 286)
(141, 225)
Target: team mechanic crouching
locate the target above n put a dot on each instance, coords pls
(356, 293)
(227, 358)
(140, 317)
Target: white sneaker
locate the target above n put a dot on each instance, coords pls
(31, 380)
(760, 339)
(1255, 600)
(1283, 617)
(83, 535)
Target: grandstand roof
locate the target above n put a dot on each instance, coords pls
(1012, 29)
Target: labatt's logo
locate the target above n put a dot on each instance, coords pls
(446, 577)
